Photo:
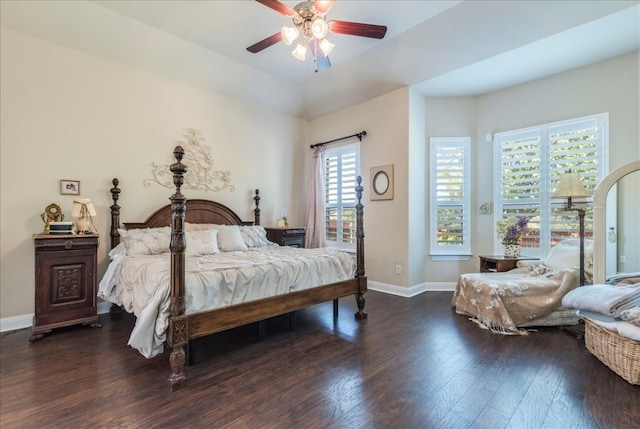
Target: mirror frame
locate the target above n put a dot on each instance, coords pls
(599, 218)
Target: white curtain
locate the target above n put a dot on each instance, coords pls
(315, 222)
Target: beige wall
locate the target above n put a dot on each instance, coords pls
(69, 115)
(385, 119)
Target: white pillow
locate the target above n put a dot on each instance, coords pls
(255, 236)
(118, 251)
(229, 236)
(147, 241)
(188, 226)
(563, 257)
(202, 242)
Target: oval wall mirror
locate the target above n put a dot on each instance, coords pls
(380, 183)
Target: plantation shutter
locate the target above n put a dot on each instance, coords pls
(342, 166)
(450, 196)
(530, 163)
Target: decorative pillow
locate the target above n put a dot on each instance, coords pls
(229, 236)
(118, 251)
(255, 236)
(148, 241)
(202, 242)
(188, 226)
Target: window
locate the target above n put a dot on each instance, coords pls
(342, 166)
(450, 196)
(529, 163)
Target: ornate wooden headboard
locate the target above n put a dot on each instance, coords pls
(198, 211)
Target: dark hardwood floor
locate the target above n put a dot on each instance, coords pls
(413, 364)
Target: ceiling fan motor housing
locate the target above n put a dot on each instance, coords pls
(305, 16)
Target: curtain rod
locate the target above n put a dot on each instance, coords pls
(359, 135)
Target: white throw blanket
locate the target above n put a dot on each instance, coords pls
(141, 284)
(621, 302)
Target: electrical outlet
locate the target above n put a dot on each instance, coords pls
(398, 269)
(622, 259)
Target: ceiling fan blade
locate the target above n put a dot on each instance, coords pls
(265, 43)
(323, 6)
(321, 60)
(358, 29)
(277, 6)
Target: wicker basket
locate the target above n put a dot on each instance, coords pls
(620, 354)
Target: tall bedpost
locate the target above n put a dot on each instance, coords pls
(360, 275)
(178, 328)
(256, 211)
(115, 213)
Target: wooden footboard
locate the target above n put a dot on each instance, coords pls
(182, 327)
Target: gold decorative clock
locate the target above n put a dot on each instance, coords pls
(53, 213)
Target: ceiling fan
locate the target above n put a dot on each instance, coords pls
(309, 21)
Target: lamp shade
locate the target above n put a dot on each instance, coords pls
(80, 204)
(289, 34)
(570, 186)
(300, 51)
(326, 47)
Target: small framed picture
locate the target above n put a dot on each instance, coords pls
(69, 187)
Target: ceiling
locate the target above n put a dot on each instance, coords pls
(442, 48)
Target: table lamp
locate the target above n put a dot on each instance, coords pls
(82, 211)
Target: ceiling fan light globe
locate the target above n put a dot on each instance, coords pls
(289, 34)
(319, 28)
(326, 46)
(300, 51)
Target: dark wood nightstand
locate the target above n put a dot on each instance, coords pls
(499, 263)
(287, 236)
(66, 271)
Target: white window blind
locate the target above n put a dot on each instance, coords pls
(342, 166)
(529, 163)
(450, 196)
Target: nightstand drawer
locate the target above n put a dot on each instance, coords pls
(292, 231)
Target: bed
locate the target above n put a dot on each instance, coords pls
(187, 317)
(531, 295)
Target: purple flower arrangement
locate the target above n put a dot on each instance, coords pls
(510, 229)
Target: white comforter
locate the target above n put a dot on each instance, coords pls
(141, 284)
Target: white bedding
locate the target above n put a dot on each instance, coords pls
(141, 284)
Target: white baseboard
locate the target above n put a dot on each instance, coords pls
(26, 320)
(16, 322)
(412, 290)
